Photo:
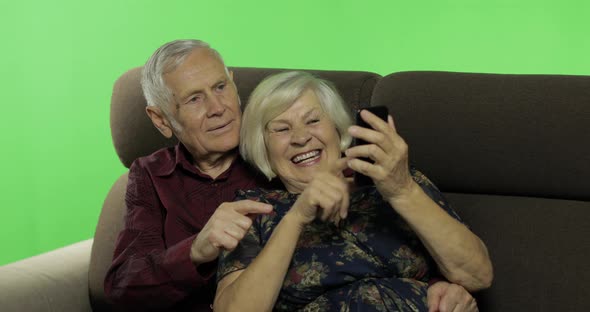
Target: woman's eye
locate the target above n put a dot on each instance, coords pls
(220, 87)
(312, 121)
(279, 129)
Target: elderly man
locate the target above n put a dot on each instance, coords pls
(180, 212)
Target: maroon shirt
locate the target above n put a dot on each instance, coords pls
(168, 202)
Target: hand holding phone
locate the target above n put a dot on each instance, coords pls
(381, 112)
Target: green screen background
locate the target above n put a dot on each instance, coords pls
(59, 60)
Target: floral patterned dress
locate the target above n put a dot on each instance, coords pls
(372, 261)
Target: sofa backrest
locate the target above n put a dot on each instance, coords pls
(512, 154)
(523, 135)
(134, 136)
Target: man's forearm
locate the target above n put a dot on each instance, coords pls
(140, 273)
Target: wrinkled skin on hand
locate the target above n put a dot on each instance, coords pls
(447, 297)
(224, 230)
(326, 197)
(389, 151)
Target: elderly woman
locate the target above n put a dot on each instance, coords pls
(329, 246)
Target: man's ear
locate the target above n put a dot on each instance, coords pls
(159, 121)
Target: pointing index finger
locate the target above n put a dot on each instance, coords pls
(247, 206)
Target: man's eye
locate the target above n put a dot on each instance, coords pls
(195, 99)
(220, 87)
(312, 121)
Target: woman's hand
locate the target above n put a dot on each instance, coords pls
(325, 197)
(444, 296)
(388, 150)
(461, 256)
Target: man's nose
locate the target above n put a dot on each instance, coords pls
(215, 106)
(300, 136)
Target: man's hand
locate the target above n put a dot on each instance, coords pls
(446, 297)
(224, 230)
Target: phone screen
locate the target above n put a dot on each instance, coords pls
(381, 112)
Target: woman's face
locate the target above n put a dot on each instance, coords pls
(301, 141)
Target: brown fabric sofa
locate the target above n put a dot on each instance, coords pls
(511, 153)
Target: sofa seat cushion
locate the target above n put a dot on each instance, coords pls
(539, 248)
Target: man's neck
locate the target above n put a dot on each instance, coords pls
(215, 165)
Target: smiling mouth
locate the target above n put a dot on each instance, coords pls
(305, 157)
(220, 126)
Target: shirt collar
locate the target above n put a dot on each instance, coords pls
(184, 160)
(167, 164)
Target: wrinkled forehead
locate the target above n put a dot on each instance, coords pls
(197, 58)
(199, 70)
(305, 104)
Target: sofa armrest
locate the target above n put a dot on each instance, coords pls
(53, 281)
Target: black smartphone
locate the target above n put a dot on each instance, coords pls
(381, 112)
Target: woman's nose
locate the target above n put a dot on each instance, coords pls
(300, 136)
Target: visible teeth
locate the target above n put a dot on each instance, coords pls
(302, 157)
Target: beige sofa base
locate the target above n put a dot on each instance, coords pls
(53, 281)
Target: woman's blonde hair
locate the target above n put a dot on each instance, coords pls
(276, 94)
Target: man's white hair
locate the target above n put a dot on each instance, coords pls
(166, 59)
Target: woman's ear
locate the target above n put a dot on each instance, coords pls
(159, 120)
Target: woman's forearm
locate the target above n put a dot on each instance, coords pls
(258, 286)
(460, 255)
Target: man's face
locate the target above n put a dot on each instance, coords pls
(302, 141)
(205, 106)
